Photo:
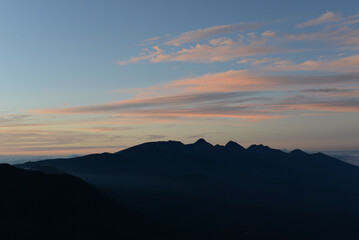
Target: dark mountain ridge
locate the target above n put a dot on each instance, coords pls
(228, 192)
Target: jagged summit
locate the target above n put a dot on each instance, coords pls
(259, 147)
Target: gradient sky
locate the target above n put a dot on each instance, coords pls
(89, 76)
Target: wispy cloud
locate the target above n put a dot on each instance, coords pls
(222, 53)
(256, 61)
(147, 55)
(10, 118)
(150, 40)
(231, 94)
(343, 64)
(341, 31)
(214, 31)
(341, 92)
(320, 104)
(324, 18)
(343, 36)
(230, 42)
(154, 137)
(269, 34)
(218, 50)
(245, 80)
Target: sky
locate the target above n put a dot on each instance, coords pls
(80, 77)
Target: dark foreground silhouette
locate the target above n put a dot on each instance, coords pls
(201, 191)
(34, 205)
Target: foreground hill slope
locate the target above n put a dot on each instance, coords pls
(227, 192)
(35, 205)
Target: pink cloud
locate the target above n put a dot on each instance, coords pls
(232, 94)
(199, 34)
(224, 52)
(137, 59)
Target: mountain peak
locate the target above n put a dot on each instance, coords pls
(234, 145)
(201, 141)
(202, 144)
(298, 152)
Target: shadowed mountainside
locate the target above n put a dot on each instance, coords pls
(228, 192)
(34, 205)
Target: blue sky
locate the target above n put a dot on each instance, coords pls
(87, 76)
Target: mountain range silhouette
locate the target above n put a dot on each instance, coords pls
(201, 191)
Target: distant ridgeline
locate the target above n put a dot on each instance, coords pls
(201, 191)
